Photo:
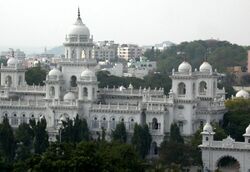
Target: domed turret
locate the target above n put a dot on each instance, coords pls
(242, 94)
(205, 67)
(69, 96)
(55, 72)
(208, 128)
(88, 75)
(78, 29)
(185, 67)
(12, 61)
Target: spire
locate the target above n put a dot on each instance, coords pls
(79, 15)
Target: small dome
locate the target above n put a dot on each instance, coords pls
(55, 72)
(88, 75)
(69, 96)
(185, 67)
(12, 61)
(242, 93)
(208, 128)
(205, 67)
(248, 130)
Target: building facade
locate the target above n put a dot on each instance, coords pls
(71, 89)
(214, 153)
(105, 50)
(129, 51)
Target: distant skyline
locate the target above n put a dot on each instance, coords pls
(41, 23)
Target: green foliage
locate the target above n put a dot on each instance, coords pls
(174, 150)
(35, 75)
(152, 80)
(237, 118)
(24, 136)
(75, 131)
(175, 135)
(141, 139)
(86, 156)
(40, 136)
(119, 134)
(7, 141)
(220, 54)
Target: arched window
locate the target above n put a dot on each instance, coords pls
(202, 87)
(73, 80)
(201, 124)
(112, 123)
(8, 81)
(155, 124)
(95, 123)
(131, 124)
(14, 120)
(181, 88)
(85, 92)
(104, 123)
(52, 91)
(23, 119)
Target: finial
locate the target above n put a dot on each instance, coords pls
(79, 15)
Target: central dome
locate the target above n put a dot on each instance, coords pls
(78, 28)
(185, 67)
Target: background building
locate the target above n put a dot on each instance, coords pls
(129, 51)
(105, 50)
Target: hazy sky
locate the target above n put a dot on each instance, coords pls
(41, 23)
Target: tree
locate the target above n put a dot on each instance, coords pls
(174, 150)
(175, 135)
(119, 134)
(141, 140)
(7, 141)
(41, 141)
(35, 75)
(81, 129)
(75, 131)
(237, 118)
(24, 136)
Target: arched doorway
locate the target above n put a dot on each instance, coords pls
(73, 81)
(228, 164)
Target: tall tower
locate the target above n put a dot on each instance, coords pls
(78, 53)
(78, 43)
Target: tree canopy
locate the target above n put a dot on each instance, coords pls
(35, 75)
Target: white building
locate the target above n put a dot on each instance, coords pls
(73, 90)
(129, 51)
(17, 54)
(105, 50)
(140, 68)
(215, 152)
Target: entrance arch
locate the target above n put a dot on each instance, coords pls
(228, 163)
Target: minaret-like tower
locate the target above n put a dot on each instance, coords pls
(78, 42)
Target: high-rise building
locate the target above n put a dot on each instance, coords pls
(105, 50)
(129, 51)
